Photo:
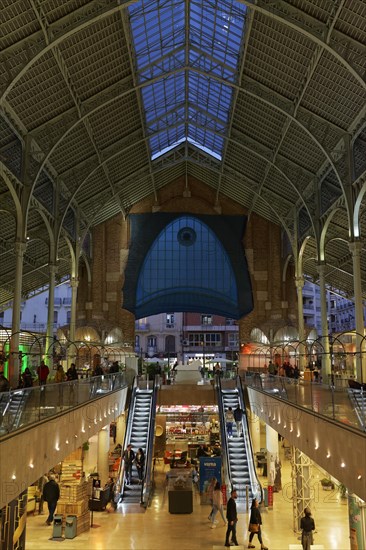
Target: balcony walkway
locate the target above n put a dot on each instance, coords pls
(25, 407)
(338, 402)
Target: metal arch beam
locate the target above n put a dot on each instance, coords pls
(358, 212)
(6, 175)
(323, 234)
(119, 6)
(130, 145)
(47, 217)
(239, 88)
(129, 91)
(217, 171)
(248, 27)
(302, 90)
(133, 64)
(289, 18)
(296, 27)
(125, 144)
(67, 80)
(269, 160)
(261, 6)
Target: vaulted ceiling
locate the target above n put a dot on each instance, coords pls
(104, 102)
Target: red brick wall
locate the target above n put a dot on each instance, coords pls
(274, 301)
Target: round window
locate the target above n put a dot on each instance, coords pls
(186, 236)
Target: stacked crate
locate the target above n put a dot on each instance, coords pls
(75, 491)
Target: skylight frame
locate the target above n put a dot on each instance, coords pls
(216, 34)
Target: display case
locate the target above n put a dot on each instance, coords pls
(180, 492)
(193, 424)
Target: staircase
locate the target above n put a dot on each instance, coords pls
(142, 404)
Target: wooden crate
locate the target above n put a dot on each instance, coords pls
(74, 509)
(83, 523)
(75, 491)
(75, 455)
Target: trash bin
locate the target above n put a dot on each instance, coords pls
(265, 496)
(57, 526)
(70, 527)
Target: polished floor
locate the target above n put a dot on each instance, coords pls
(156, 528)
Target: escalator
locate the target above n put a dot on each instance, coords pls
(140, 432)
(240, 469)
(358, 401)
(12, 406)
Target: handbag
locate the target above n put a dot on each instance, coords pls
(253, 527)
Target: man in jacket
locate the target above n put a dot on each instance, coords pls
(232, 519)
(238, 417)
(51, 494)
(128, 457)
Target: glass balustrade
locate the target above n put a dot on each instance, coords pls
(23, 407)
(342, 404)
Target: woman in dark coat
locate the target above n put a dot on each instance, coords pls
(27, 378)
(140, 463)
(256, 522)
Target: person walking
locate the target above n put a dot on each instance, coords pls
(41, 483)
(51, 494)
(209, 491)
(140, 463)
(218, 505)
(238, 417)
(128, 457)
(229, 419)
(60, 375)
(307, 526)
(42, 371)
(255, 523)
(232, 519)
(72, 373)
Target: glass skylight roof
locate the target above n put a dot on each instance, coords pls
(188, 99)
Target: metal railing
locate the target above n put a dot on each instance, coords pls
(148, 481)
(256, 486)
(223, 434)
(327, 400)
(27, 406)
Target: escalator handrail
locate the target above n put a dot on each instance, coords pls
(225, 454)
(255, 483)
(131, 408)
(360, 411)
(146, 484)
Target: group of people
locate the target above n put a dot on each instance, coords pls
(130, 458)
(286, 369)
(26, 378)
(255, 521)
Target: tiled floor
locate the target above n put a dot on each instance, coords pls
(157, 529)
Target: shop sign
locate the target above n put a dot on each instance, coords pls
(209, 467)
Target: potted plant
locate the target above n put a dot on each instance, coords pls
(327, 484)
(342, 489)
